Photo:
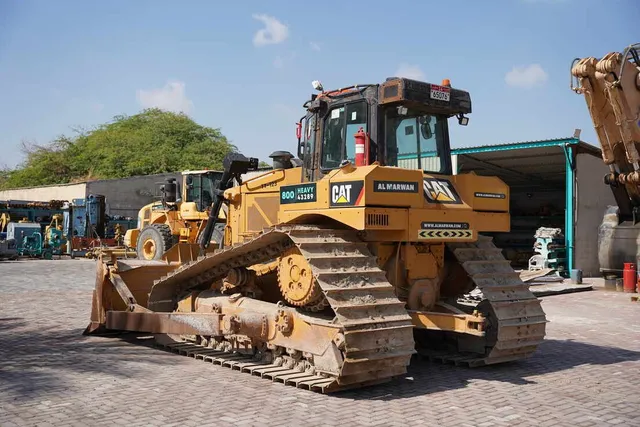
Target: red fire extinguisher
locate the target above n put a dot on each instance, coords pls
(361, 137)
(629, 278)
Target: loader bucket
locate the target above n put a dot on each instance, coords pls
(183, 253)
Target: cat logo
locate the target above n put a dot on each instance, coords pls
(346, 193)
(341, 193)
(438, 190)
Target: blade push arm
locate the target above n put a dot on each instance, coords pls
(235, 164)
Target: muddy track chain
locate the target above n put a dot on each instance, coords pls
(247, 364)
(517, 321)
(378, 333)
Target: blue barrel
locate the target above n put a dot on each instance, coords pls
(576, 276)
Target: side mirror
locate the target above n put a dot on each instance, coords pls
(189, 180)
(425, 130)
(462, 120)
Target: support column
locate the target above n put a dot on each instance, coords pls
(570, 204)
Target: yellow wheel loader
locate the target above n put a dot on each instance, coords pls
(337, 266)
(172, 220)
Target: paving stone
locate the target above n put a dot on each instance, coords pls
(585, 373)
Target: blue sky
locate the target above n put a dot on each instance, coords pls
(246, 66)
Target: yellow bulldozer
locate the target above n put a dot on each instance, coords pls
(179, 217)
(341, 263)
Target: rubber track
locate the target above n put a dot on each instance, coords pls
(519, 323)
(378, 331)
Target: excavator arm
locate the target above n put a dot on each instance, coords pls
(611, 89)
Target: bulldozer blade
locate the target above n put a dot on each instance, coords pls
(165, 323)
(133, 278)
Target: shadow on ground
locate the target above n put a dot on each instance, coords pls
(425, 377)
(33, 361)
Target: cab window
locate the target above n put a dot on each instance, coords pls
(414, 140)
(309, 140)
(194, 187)
(340, 125)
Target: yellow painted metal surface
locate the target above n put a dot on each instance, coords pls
(472, 324)
(409, 205)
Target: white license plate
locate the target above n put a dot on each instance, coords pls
(440, 93)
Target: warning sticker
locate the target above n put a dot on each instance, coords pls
(445, 234)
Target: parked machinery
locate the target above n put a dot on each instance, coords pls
(89, 229)
(5, 219)
(550, 250)
(179, 217)
(55, 238)
(338, 266)
(8, 249)
(27, 239)
(85, 223)
(611, 88)
(28, 210)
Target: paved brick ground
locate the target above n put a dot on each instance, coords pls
(586, 374)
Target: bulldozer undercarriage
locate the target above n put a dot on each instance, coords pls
(311, 307)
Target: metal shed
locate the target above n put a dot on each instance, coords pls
(553, 183)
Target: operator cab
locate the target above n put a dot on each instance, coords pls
(200, 187)
(404, 121)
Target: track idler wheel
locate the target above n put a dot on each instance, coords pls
(297, 283)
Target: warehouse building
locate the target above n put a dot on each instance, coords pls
(555, 183)
(124, 197)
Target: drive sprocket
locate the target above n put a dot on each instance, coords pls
(297, 282)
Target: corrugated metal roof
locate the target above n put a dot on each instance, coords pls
(542, 163)
(582, 146)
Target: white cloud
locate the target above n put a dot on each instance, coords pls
(171, 97)
(409, 71)
(274, 31)
(314, 46)
(526, 76)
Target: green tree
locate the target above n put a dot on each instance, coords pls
(153, 141)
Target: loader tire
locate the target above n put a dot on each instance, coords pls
(154, 240)
(218, 235)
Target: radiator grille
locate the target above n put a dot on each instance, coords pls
(378, 219)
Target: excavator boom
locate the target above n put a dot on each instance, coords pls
(611, 88)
